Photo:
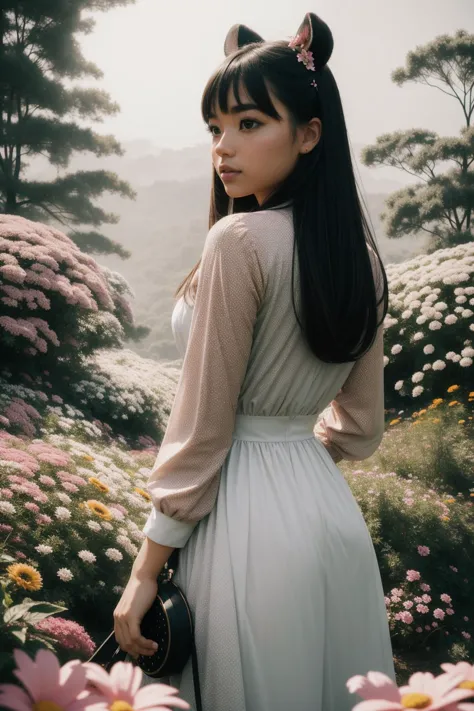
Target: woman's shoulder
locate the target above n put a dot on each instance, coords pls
(251, 225)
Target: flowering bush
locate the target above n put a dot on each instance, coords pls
(78, 687)
(56, 302)
(422, 527)
(74, 514)
(429, 327)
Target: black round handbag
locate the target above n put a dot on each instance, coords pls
(169, 623)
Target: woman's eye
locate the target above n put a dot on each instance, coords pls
(257, 123)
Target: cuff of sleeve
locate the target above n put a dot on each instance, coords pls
(167, 531)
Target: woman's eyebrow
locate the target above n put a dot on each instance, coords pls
(238, 108)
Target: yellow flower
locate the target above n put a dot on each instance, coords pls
(25, 576)
(471, 494)
(453, 388)
(436, 420)
(99, 509)
(98, 484)
(438, 401)
(453, 402)
(393, 422)
(88, 457)
(461, 422)
(422, 412)
(471, 394)
(143, 493)
(449, 501)
(415, 423)
(445, 518)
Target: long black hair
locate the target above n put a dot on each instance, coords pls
(343, 283)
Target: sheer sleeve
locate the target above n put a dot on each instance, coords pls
(184, 480)
(352, 427)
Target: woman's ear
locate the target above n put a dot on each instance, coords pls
(238, 36)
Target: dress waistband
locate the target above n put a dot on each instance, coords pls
(263, 428)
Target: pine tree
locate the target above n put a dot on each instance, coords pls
(43, 113)
(442, 203)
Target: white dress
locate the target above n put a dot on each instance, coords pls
(276, 559)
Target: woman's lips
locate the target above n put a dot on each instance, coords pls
(230, 175)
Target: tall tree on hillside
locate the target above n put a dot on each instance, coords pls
(442, 203)
(43, 113)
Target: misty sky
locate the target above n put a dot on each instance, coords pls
(157, 56)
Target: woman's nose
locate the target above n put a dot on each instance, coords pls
(224, 146)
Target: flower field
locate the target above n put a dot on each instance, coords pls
(80, 428)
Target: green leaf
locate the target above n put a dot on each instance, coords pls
(20, 634)
(20, 611)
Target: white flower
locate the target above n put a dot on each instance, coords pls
(62, 513)
(87, 556)
(467, 352)
(441, 306)
(406, 314)
(114, 554)
(417, 377)
(7, 507)
(108, 526)
(65, 575)
(450, 355)
(427, 366)
(456, 358)
(421, 319)
(428, 349)
(62, 496)
(399, 385)
(417, 391)
(386, 361)
(117, 589)
(94, 526)
(439, 365)
(460, 299)
(434, 325)
(44, 550)
(450, 320)
(467, 313)
(418, 336)
(397, 348)
(465, 362)
(101, 583)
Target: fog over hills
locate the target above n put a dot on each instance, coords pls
(165, 227)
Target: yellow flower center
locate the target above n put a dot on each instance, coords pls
(46, 706)
(120, 706)
(467, 685)
(416, 701)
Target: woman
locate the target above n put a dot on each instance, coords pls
(275, 558)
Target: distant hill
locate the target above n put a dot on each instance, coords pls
(165, 227)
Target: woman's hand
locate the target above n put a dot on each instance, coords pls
(136, 600)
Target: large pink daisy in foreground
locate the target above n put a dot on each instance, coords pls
(122, 692)
(48, 685)
(423, 691)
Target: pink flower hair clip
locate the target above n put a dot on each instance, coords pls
(304, 55)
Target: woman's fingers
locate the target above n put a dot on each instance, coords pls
(130, 639)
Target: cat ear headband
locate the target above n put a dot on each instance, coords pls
(303, 43)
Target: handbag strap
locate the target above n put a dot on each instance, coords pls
(197, 686)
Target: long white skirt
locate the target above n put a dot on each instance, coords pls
(282, 579)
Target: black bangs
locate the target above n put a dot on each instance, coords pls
(246, 73)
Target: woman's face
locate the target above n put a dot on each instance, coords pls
(262, 149)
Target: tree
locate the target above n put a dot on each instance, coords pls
(442, 204)
(42, 113)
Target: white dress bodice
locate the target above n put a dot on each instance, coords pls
(181, 324)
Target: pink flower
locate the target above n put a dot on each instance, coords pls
(425, 587)
(123, 685)
(426, 598)
(69, 634)
(380, 693)
(466, 635)
(445, 598)
(439, 614)
(464, 668)
(423, 550)
(455, 570)
(46, 683)
(32, 507)
(408, 604)
(422, 609)
(43, 519)
(419, 629)
(46, 480)
(450, 611)
(406, 617)
(413, 575)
